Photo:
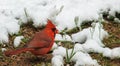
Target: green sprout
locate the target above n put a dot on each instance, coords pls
(110, 17)
(0, 51)
(100, 20)
(27, 15)
(25, 40)
(92, 30)
(76, 19)
(68, 58)
(61, 8)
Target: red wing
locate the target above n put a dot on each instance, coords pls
(40, 40)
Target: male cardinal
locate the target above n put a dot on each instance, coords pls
(41, 43)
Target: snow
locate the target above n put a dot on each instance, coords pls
(58, 55)
(17, 41)
(115, 53)
(79, 47)
(7, 25)
(83, 59)
(3, 49)
(107, 52)
(82, 36)
(112, 53)
(60, 37)
(92, 46)
(116, 20)
(3, 35)
(57, 61)
(39, 19)
(54, 46)
(14, 13)
(60, 51)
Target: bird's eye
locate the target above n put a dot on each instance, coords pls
(53, 29)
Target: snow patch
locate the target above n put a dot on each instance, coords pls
(3, 49)
(60, 51)
(92, 46)
(60, 37)
(17, 41)
(57, 60)
(83, 59)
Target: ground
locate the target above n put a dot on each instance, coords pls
(27, 59)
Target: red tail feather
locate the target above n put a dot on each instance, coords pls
(15, 52)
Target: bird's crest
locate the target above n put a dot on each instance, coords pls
(50, 24)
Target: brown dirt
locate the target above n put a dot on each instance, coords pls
(114, 31)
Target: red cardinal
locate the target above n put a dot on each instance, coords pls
(41, 43)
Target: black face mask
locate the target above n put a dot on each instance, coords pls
(54, 29)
